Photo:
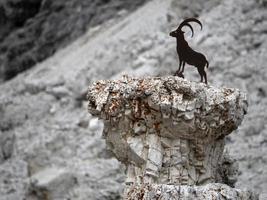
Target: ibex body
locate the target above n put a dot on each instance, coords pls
(186, 54)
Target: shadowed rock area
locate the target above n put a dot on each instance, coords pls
(32, 30)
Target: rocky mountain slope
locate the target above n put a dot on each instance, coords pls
(32, 30)
(45, 130)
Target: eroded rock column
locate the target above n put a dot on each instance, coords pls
(169, 133)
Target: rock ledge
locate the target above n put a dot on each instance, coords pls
(167, 130)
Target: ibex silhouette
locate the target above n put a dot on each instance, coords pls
(186, 54)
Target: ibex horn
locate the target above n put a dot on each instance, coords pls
(185, 23)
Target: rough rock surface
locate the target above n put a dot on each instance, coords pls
(51, 183)
(32, 30)
(43, 114)
(208, 192)
(167, 130)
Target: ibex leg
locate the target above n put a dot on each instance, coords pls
(183, 67)
(180, 64)
(200, 71)
(205, 76)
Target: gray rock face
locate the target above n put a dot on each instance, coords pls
(13, 179)
(208, 192)
(168, 131)
(6, 146)
(51, 183)
(32, 30)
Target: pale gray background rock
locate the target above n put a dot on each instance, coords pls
(43, 118)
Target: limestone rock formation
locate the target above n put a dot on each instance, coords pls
(43, 116)
(208, 192)
(167, 130)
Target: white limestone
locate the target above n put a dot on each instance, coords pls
(167, 130)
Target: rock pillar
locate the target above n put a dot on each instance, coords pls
(169, 133)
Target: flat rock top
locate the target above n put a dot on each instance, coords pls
(171, 101)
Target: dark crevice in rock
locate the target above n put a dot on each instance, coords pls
(14, 14)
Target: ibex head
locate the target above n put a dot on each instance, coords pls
(179, 33)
